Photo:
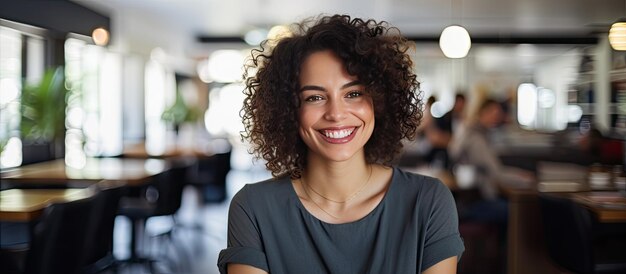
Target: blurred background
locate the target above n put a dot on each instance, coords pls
(158, 79)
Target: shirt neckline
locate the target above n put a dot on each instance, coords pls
(380, 204)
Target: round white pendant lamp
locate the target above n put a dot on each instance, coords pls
(100, 36)
(455, 41)
(617, 35)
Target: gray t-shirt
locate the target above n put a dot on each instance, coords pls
(414, 227)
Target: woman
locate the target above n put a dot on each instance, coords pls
(327, 109)
(473, 147)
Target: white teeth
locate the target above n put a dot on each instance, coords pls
(338, 134)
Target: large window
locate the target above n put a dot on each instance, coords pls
(10, 90)
(160, 92)
(21, 62)
(94, 106)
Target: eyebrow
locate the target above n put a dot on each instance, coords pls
(313, 87)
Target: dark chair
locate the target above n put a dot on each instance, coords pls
(14, 240)
(99, 256)
(483, 227)
(483, 252)
(208, 176)
(577, 242)
(161, 198)
(58, 241)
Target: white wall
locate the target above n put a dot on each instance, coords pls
(138, 33)
(556, 74)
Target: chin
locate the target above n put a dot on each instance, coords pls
(338, 156)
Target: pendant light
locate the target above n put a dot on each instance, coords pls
(455, 41)
(617, 35)
(100, 36)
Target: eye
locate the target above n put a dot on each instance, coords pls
(354, 94)
(313, 98)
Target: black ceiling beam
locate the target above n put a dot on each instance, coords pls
(60, 16)
(220, 39)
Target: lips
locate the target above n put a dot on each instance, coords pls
(338, 135)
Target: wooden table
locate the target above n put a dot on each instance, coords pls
(25, 205)
(526, 243)
(139, 151)
(130, 171)
(606, 206)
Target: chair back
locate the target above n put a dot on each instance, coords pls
(209, 176)
(218, 167)
(102, 220)
(58, 239)
(568, 233)
(169, 186)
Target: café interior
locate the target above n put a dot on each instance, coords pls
(120, 145)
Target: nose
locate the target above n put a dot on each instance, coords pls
(336, 110)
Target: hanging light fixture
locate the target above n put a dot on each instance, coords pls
(455, 41)
(617, 35)
(100, 36)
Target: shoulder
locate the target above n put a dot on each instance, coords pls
(428, 192)
(267, 186)
(423, 183)
(261, 192)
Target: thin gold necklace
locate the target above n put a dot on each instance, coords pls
(349, 198)
(318, 206)
(305, 186)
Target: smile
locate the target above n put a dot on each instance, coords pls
(338, 136)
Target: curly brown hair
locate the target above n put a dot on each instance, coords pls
(373, 51)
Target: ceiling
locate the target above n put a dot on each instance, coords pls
(413, 17)
(176, 25)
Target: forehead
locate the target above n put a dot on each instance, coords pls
(323, 65)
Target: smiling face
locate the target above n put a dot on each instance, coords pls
(336, 115)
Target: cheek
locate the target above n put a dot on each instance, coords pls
(307, 118)
(304, 117)
(365, 110)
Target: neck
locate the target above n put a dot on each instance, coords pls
(336, 180)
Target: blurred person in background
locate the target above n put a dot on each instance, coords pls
(435, 134)
(443, 128)
(327, 109)
(471, 147)
(453, 119)
(432, 140)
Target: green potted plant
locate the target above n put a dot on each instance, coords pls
(43, 117)
(180, 113)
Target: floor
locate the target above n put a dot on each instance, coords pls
(198, 236)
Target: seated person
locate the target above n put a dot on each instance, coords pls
(443, 128)
(471, 147)
(434, 134)
(437, 135)
(453, 119)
